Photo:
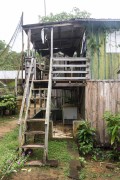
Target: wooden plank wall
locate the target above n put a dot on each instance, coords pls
(101, 96)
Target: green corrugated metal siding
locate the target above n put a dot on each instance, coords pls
(103, 65)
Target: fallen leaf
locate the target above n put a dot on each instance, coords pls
(23, 169)
(29, 170)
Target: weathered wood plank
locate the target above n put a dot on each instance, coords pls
(94, 104)
(100, 112)
(70, 59)
(67, 72)
(101, 96)
(70, 78)
(69, 65)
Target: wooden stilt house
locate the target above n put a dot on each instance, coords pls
(76, 78)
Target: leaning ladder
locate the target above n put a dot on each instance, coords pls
(20, 121)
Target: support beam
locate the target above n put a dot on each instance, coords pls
(28, 43)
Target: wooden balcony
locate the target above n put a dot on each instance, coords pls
(70, 69)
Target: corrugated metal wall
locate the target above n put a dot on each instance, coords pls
(101, 96)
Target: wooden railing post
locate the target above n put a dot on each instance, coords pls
(48, 105)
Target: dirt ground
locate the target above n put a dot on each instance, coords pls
(92, 170)
(7, 126)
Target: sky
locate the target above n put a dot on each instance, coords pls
(11, 10)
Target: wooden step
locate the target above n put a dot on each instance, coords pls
(35, 120)
(33, 146)
(34, 163)
(41, 80)
(34, 132)
(39, 89)
(51, 163)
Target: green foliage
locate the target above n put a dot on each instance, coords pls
(8, 102)
(2, 45)
(9, 160)
(82, 161)
(113, 128)
(9, 60)
(82, 174)
(75, 13)
(85, 138)
(99, 154)
(12, 163)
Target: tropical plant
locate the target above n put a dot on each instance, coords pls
(8, 102)
(113, 129)
(85, 138)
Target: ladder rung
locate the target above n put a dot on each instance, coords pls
(33, 146)
(34, 132)
(40, 89)
(41, 80)
(35, 120)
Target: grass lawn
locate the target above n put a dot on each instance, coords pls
(58, 149)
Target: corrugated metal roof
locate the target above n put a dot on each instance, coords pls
(109, 22)
(67, 34)
(11, 74)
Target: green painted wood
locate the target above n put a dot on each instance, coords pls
(102, 65)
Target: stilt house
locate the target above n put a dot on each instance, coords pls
(77, 78)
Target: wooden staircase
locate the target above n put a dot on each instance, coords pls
(35, 90)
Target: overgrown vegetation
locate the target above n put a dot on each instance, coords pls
(75, 13)
(85, 138)
(12, 163)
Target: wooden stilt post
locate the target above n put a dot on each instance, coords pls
(28, 55)
(28, 43)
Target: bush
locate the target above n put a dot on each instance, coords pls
(85, 138)
(113, 129)
(8, 102)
